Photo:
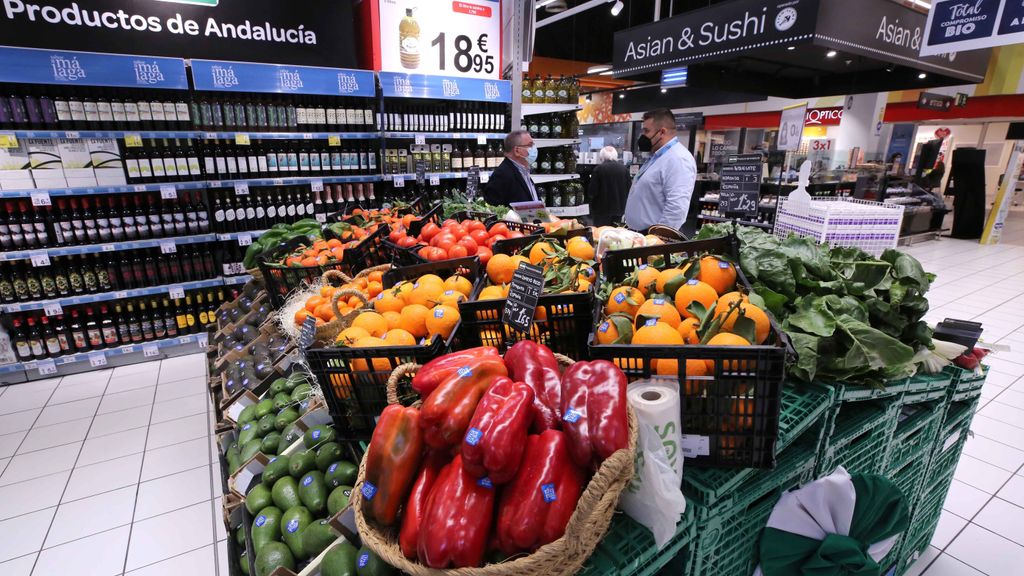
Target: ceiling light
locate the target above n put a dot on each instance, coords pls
(791, 48)
(607, 73)
(617, 7)
(599, 68)
(831, 54)
(622, 95)
(664, 90)
(922, 76)
(544, 3)
(923, 4)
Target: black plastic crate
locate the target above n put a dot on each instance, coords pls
(432, 215)
(565, 328)
(736, 407)
(512, 246)
(411, 254)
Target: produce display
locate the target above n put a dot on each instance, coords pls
(454, 239)
(321, 304)
(568, 266)
(308, 228)
(458, 202)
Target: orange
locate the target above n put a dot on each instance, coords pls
(388, 301)
(660, 308)
(379, 364)
(719, 274)
(429, 279)
(665, 276)
(492, 293)
(761, 322)
(688, 330)
(301, 315)
(313, 302)
(694, 291)
(375, 276)
(647, 279)
(326, 291)
(451, 298)
(425, 294)
(587, 273)
(500, 268)
(334, 243)
(727, 299)
(373, 288)
(582, 285)
(608, 331)
(517, 259)
(402, 289)
(579, 248)
(399, 337)
(659, 333)
(541, 315)
(349, 335)
(726, 339)
(414, 320)
(541, 252)
(442, 321)
(624, 300)
(459, 284)
(394, 319)
(372, 322)
(324, 312)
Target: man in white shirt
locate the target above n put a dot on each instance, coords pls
(663, 186)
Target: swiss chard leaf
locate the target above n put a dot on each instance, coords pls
(806, 346)
(867, 346)
(813, 317)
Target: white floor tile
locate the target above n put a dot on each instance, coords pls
(948, 527)
(1012, 397)
(24, 534)
(220, 531)
(965, 501)
(97, 555)
(90, 377)
(40, 463)
(19, 566)
(102, 477)
(169, 535)
(1004, 413)
(19, 400)
(1003, 518)
(179, 408)
(9, 443)
(182, 367)
(126, 400)
(223, 561)
(141, 368)
(59, 413)
(56, 435)
(199, 562)
(987, 552)
(922, 561)
(112, 446)
(129, 382)
(18, 421)
(114, 422)
(995, 453)
(32, 495)
(180, 388)
(91, 515)
(177, 431)
(172, 492)
(78, 392)
(175, 458)
(981, 475)
(1013, 491)
(996, 430)
(946, 565)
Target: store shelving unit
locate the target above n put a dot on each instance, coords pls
(534, 109)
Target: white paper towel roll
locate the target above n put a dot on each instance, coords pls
(656, 403)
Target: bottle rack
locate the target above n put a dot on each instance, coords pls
(549, 113)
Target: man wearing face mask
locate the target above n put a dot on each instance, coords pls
(510, 181)
(663, 186)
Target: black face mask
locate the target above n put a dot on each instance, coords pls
(644, 144)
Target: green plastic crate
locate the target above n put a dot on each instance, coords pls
(916, 430)
(859, 437)
(855, 393)
(966, 384)
(628, 548)
(728, 532)
(928, 382)
(909, 477)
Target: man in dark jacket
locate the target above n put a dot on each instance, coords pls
(608, 188)
(510, 181)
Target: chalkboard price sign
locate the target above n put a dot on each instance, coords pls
(307, 332)
(521, 305)
(473, 182)
(421, 172)
(740, 181)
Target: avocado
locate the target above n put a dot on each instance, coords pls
(301, 463)
(291, 433)
(248, 414)
(292, 522)
(318, 435)
(249, 431)
(316, 537)
(240, 536)
(278, 386)
(264, 407)
(340, 560)
(273, 555)
(275, 470)
(270, 443)
(266, 527)
(265, 425)
(285, 417)
(281, 401)
(338, 499)
(257, 499)
(341, 474)
(249, 450)
(234, 458)
(301, 391)
(369, 564)
(290, 384)
(243, 562)
(313, 493)
(285, 493)
(327, 454)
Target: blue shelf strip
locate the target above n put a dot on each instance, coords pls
(194, 134)
(67, 68)
(234, 280)
(402, 85)
(107, 296)
(130, 188)
(289, 135)
(428, 175)
(108, 247)
(447, 135)
(215, 75)
(201, 340)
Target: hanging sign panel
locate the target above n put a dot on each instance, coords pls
(32, 66)
(279, 78)
(401, 85)
(958, 25)
(453, 38)
(791, 127)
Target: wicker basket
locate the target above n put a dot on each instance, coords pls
(325, 333)
(564, 556)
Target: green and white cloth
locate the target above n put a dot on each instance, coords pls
(839, 525)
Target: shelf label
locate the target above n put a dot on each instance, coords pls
(8, 141)
(242, 139)
(482, 140)
(150, 350)
(278, 182)
(133, 140)
(40, 259)
(120, 294)
(203, 340)
(168, 192)
(168, 247)
(41, 199)
(97, 359)
(693, 445)
(435, 180)
(127, 349)
(485, 177)
(209, 135)
(46, 367)
(106, 247)
(139, 187)
(71, 134)
(321, 218)
(421, 139)
(334, 140)
(53, 309)
(184, 340)
(398, 181)
(223, 237)
(176, 292)
(242, 188)
(245, 239)
(316, 185)
(307, 136)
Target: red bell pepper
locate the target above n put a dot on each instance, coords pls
(536, 365)
(392, 460)
(493, 445)
(412, 514)
(437, 370)
(458, 515)
(594, 413)
(446, 413)
(536, 507)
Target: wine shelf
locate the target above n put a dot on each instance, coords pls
(107, 296)
(142, 351)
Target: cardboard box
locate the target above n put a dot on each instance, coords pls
(14, 168)
(74, 156)
(44, 158)
(107, 163)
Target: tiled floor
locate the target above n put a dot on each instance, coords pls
(109, 473)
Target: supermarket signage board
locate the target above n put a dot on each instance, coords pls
(34, 66)
(931, 101)
(523, 295)
(403, 85)
(311, 32)
(972, 24)
(740, 185)
(791, 127)
(452, 38)
(281, 79)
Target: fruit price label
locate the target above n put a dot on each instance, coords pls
(321, 217)
(693, 445)
(41, 199)
(97, 359)
(53, 309)
(133, 140)
(242, 139)
(435, 180)
(8, 141)
(334, 140)
(242, 188)
(150, 350)
(40, 259)
(307, 332)
(168, 192)
(421, 172)
(244, 239)
(421, 140)
(46, 367)
(176, 292)
(168, 247)
(398, 181)
(473, 182)
(316, 185)
(525, 290)
(481, 140)
(485, 177)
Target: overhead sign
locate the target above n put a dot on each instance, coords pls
(931, 101)
(958, 25)
(791, 127)
(311, 32)
(831, 116)
(32, 66)
(689, 120)
(221, 76)
(400, 85)
(452, 38)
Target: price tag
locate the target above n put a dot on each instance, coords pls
(97, 359)
(223, 237)
(184, 340)
(8, 141)
(473, 182)
(40, 259)
(71, 135)
(485, 177)
(203, 340)
(242, 139)
(316, 185)
(127, 349)
(107, 247)
(521, 305)
(46, 367)
(321, 217)
(242, 188)
(133, 140)
(168, 192)
(693, 445)
(210, 135)
(481, 140)
(435, 180)
(120, 294)
(244, 239)
(421, 139)
(307, 136)
(334, 140)
(139, 187)
(150, 350)
(398, 181)
(421, 172)
(168, 247)
(41, 199)
(53, 309)
(176, 292)
(307, 332)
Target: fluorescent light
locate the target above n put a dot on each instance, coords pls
(597, 69)
(543, 3)
(791, 48)
(607, 73)
(664, 90)
(622, 95)
(831, 54)
(922, 76)
(617, 7)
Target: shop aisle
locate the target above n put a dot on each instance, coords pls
(109, 472)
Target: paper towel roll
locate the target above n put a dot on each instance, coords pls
(656, 403)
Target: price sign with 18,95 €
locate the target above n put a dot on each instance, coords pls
(460, 38)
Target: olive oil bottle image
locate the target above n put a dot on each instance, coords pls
(409, 40)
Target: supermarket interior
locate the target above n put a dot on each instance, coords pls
(512, 287)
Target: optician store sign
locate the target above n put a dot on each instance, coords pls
(972, 24)
(399, 85)
(832, 116)
(31, 66)
(278, 78)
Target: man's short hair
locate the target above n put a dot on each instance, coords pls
(662, 118)
(514, 138)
